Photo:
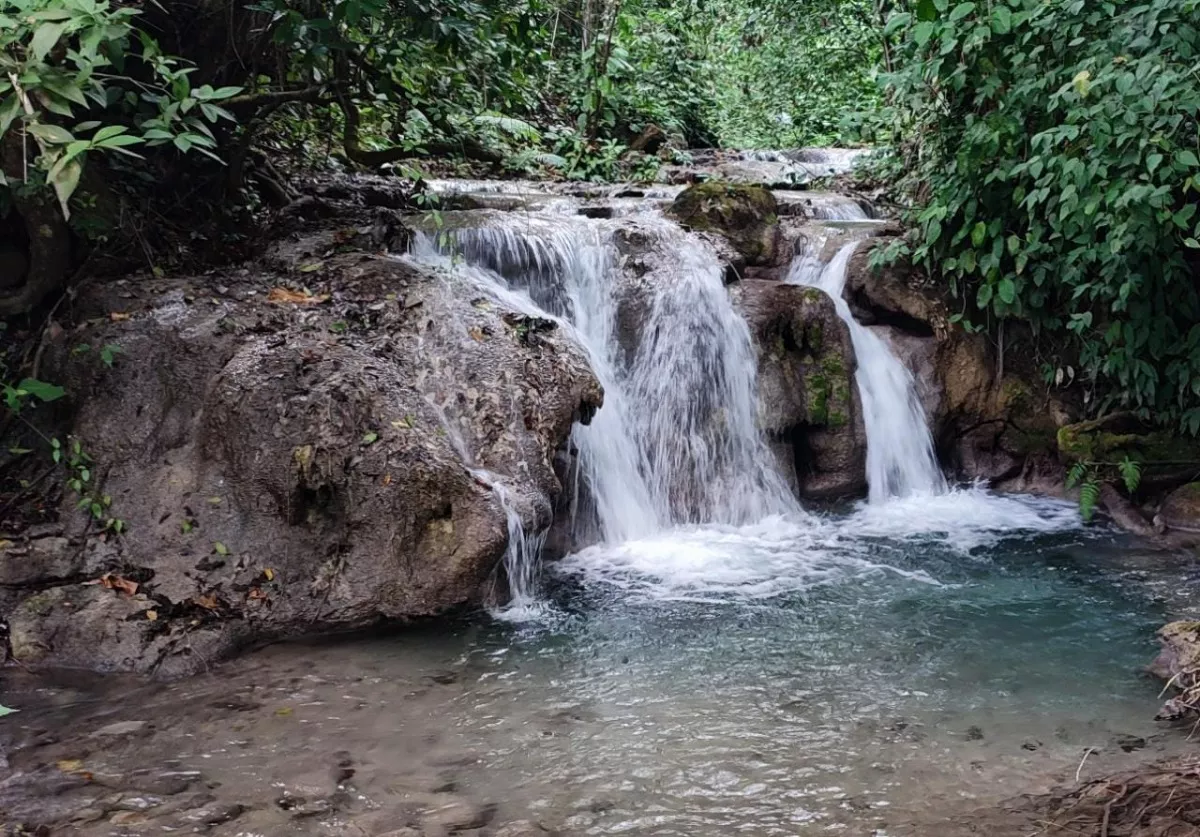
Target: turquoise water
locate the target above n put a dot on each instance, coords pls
(833, 674)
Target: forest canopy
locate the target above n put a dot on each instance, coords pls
(1043, 153)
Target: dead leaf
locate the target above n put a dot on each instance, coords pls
(387, 479)
(118, 316)
(283, 711)
(283, 295)
(69, 765)
(152, 615)
(256, 593)
(269, 573)
(111, 581)
(5, 544)
(476, 333)
(312, 267)
(208, 602)
(214, 501)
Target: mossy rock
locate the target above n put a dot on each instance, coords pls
(1112, 438)
(745, 215)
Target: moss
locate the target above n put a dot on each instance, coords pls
(1104, 440)
(746, 215)
(827, 392)
(816, 397)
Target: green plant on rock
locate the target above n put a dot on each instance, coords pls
(1052, 156)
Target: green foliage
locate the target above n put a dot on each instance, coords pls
(789, 74)
(77, 77)
(1051, 151)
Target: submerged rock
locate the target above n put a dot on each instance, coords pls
(1178, 662)
(298, 455)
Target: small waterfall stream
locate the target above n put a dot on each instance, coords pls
(677, 441)
(900, 456)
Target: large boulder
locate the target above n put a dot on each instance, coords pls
(309, 448)
(747, 216)
(808, 400)
(1180, 510)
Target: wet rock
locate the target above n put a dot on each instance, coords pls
(312, 449)
(215, 814)
(1179, 512)
(120, 728)
(808, 401)
(1130, 743)
(747, 216)
(457, 816)
(523, 828)
(1031, 744)
(1178, 662)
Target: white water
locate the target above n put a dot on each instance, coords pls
(674, 494)
(900, 457)
(676, 441)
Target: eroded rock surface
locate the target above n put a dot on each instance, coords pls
(808, 401)
(308, 448)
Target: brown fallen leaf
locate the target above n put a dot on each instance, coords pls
(119, 316)
(112, 581)
(152, 615)
(207, 602)
(269, 573)
(256, 593)
(68, 765)
(283, 296)
(387, 480)
(476, 333)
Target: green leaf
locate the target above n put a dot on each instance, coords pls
(44, 39)
(1001, 20)
(926, 10)
(896, 22)
(978, 234)
(65, 184)
(370, 438)
(1007, 291)
(1187, 159)
(6, 710)
(220, 548)
(41, 390)
(961, 11)
(50, 133)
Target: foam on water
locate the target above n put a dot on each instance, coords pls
(781, 555)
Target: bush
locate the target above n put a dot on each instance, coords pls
(1053, 159)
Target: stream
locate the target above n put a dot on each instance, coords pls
(714, 658)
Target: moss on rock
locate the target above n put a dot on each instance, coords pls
(745, 215)
(1113, 438)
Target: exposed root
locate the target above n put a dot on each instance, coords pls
(1163, 801)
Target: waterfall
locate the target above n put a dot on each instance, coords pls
(900, 455)
(676, 441)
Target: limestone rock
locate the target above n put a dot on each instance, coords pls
(1180, 510)
(299, 464)
(808, 400)
(747, 216)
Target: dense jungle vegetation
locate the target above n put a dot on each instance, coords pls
(1043, 153)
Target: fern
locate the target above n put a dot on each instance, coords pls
(510, 125)
(1131, 473)
(1077, 474)
(1089, 494)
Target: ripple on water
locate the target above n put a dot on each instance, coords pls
(811, 673)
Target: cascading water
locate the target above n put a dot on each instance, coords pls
(676, 441)
(900, 454)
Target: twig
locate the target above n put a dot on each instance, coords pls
(1079, 769)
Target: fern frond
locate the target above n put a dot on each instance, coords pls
(1089, 495)
(510, 125)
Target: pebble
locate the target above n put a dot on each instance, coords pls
(120, 728)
